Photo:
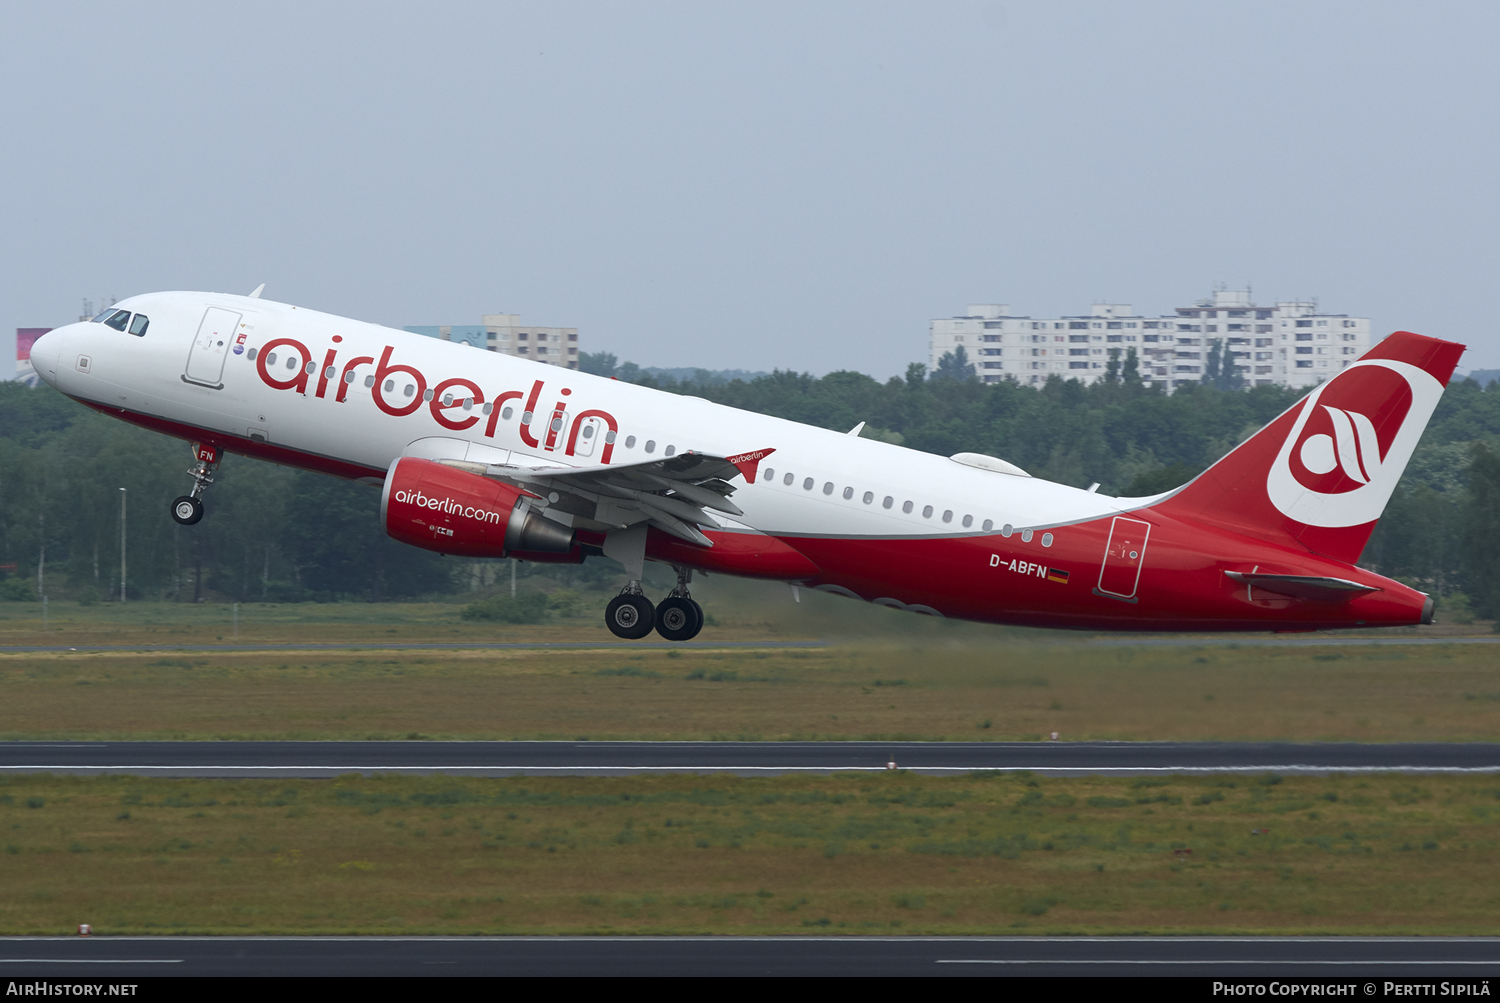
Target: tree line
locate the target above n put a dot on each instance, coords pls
(281, 535)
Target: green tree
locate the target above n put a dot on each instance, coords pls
(1481, 532)
(598, 363)
(955, 365)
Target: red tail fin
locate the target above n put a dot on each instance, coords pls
(1321, 473)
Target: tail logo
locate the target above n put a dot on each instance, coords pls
(1350, 443)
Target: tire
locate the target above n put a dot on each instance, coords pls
(630, 617)
(187, 510)
(678, 619)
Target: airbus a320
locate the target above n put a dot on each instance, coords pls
(487, 455)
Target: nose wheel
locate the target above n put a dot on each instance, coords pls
(188, 509)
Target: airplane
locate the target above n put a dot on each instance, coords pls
(487, 455)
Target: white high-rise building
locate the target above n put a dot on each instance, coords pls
(1290, 344)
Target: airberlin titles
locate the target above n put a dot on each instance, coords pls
(456, 394)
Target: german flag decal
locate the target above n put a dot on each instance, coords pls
(1054, 575)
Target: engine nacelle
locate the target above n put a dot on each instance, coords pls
(437, 507)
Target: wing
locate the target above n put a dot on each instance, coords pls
(673, 494)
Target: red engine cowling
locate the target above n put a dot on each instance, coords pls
(437, 507)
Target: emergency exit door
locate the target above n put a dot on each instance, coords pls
(205, 363)
(1123, 557)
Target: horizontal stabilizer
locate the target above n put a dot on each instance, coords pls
(1304, 586)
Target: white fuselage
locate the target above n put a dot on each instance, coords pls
(816, 483)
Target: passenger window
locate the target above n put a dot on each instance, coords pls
(118, 320)
(968, 521)
(271, 360)
(487, 409)
(807, 485)
(787, 480)
(1006, 530)
(506, 412)
(948, 515)
(770, 475)
(906, 508)
(629, 439)
(889, 501)
(989, 524)
(828, 488)
(370, 382)
(869, 497)
(609, 436)
(427, 395)
(349, 376)
(291, 363)
(588, 430)
(927, 512)
(312, 367)
(650, 445)
(411, 388)
(139, 325)
(1046, 539)
(1025, 536)
(848, 493)
(671, 450)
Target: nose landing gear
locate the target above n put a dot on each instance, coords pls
(188, 509)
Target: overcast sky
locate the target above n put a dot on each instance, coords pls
(755, 185)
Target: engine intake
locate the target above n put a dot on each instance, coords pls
(437, 507)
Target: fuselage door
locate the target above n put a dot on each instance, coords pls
(587, 433)
(557, 427)
(216, 334)
(1123, 557)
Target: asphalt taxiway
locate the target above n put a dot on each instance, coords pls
(1356, 960)
(583, 758)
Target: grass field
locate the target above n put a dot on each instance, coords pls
(883, 853)
(1019, 690)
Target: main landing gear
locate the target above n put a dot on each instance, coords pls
(677, 617)
(188, 509)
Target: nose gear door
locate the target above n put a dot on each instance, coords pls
(205, 364)
(1123, 557)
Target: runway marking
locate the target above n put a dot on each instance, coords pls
(727, 767)
(24, 649)
(1494, 963)
(92, 960)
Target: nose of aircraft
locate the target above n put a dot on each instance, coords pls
(44, 355)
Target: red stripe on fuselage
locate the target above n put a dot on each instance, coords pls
(244, 445)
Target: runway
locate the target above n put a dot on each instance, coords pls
(505, 759)
(1353, 959)
(1318, 640)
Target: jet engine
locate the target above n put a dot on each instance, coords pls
(437, 507)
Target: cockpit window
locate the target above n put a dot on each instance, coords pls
(100, 319)
(118, 320)
(139, 325)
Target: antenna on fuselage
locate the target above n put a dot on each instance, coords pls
(258, 290)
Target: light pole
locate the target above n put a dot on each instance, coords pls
(122, 546)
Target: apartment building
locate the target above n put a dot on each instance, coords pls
(1289, 344)
(504, 333)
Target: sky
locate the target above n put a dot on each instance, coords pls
(799, 185)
